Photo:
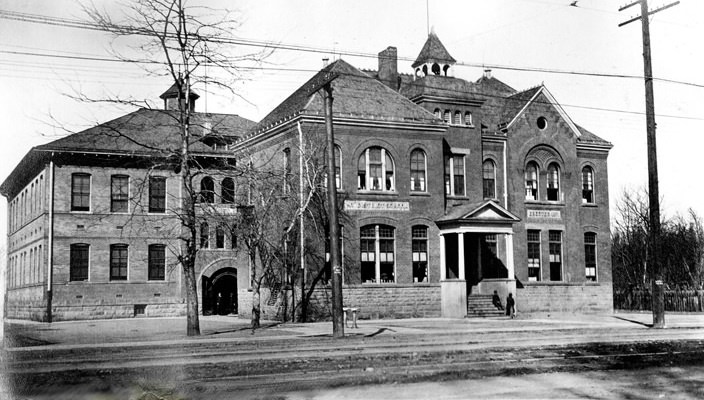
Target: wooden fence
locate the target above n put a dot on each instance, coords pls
(675, 300)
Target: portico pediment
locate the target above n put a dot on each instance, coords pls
(486, 213)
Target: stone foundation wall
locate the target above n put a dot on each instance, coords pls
(556, 297)
(373, 302)
(110, 311)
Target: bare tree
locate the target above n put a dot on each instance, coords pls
(170, 39)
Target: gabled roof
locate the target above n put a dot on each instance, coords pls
(433, 51)
(150, 131)
(172, 92)
(356, 95)
(478, 213)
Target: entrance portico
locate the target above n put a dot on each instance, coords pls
(476, 254)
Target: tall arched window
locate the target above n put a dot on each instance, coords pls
(228, 191)
(219, 237)
(375, 170)
(377, 254)
(447, 116)
(531, 181)
(207, 190)
(587, 185)
(458, 118)
(418, 171)
(419, 248)
(489, 179)
(553, 182)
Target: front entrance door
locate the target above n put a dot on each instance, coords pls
(220, 293)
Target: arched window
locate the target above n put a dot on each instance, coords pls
(418, 171)
(468, 119)
(207, 190)
(436, 69)
(204, 235)
(419, 248)
(458, 118)
(489, 179)
(447, 116)
(445, 68)
(531, 181)
(228, 191)
(553, 182)
(219, 237)
(438, 113)
(375, 170)
(377, 254)
(587, 185)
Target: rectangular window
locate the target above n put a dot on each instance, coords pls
(118, 262)
(533, 255)
(367, 245)
(419, 247)
(119, 193)
(157, 262)
(458, 175)
(79, 257)
(80, 192)
(590, 256)
(386, 255)
(555, 247)
(157, 194)
(219, 238)
(204, 236)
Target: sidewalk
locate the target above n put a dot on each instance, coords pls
(134, 331)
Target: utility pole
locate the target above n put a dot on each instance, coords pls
(654, 247)
(324, 81)
(338, 327)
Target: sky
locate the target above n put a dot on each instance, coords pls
(507, 35)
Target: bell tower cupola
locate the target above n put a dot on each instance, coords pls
(433, 59)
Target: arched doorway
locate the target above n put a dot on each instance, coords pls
(220, 292)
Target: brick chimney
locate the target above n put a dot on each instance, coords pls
(388, 67)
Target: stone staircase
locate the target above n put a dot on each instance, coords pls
(480, 306)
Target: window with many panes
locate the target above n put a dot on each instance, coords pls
(157, 262)
(419, 248)
(555, 248)
(119, 193)
(454, 175)
(377, 254)
(533, 255)
(79, 259)
(531, 178)
(157, 194)
(418, 171)
(468, 119)
(590, 256)
(375, 170)
(118, 262)
(457, 120)
(587, 185)
(80, 192)
(553, 182)
(207, 190)
(489, 179)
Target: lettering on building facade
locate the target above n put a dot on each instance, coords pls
(363, 205)
(544, 214)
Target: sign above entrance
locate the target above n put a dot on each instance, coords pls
(363, 205)
(544, 214)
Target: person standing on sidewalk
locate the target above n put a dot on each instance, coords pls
(510, 306)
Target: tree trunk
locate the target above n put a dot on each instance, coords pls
(192, 320)
(256, 296)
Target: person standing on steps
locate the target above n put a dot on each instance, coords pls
(510, 306)
(497, 301)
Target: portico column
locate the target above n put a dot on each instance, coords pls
(443, 267)
(509, 256)
(460, 255)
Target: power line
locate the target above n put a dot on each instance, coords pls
(281, 69)
(34, 18)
